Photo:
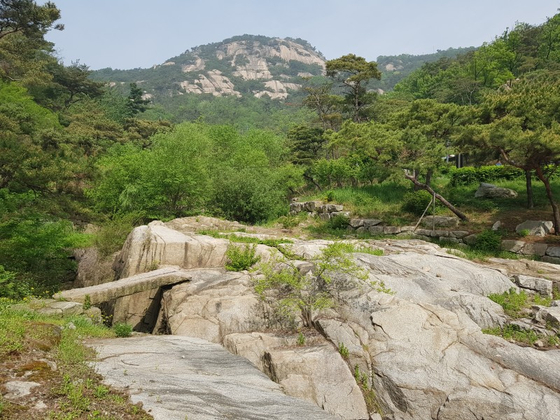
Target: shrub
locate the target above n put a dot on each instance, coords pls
(416, 201)
(241, 257)
(488, 240)
(11, 287)
(122, 329)
(338, 222)
(512, 302)
(470, 175)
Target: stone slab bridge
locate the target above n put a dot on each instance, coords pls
(136, 300)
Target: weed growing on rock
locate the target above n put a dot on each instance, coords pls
(514, 303)
(241, 257)
(343, 350)
(284, 286)
(122, 330)
(301, 339)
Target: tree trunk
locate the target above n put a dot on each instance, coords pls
(443, 201)
(529, 188)
(429, 175)
(553, 204)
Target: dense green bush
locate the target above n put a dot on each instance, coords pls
(198, 168)
(488, 240)
(416, 201)
(241, 257)
(470, 175)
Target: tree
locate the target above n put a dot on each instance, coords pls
(136, 102)
(27, 18)
(522, 123)
(353, 73)
(325, 104)
(291, 292)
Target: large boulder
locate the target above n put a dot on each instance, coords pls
(486, 190)
(314, 372)
(535, 227)
(177, 378)
(155, 245)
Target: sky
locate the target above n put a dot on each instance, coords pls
(126, 34)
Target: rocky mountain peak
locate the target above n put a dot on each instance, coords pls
(240, 66)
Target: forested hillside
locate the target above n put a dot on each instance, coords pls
(78, 155)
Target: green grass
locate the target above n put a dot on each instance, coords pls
(73, 388)
(373, 201)
(514, 333)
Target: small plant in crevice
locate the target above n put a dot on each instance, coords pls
(301, 339)
(343, 350)
(292, 292)
(122, 329)
(87, 303)
(370, 397)
(241, 257)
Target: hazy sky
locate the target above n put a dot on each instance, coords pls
(127, 34)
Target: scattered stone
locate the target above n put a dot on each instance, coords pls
(18, 389)
(539, 285)
(496, 225)
(486, 190)
(553, 251)
(534, 249)
(511, 245)
(535, 227)
(470, 239)
(440, 221)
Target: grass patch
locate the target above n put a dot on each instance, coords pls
(30, 343)
(241, 257)
(518, 335)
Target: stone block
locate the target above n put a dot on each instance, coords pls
(440, 221)
(551, 260)
(371, 222)
(535, 227)
(534, 249)
(376, 230)
(536, 284)
(470, 239)
(512, 245)
(356, 223)
(391, 230)
(553, 251)
(459, 234)
(333, 208)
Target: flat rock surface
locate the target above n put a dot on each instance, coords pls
(183, 377)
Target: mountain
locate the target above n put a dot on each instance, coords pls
(395, 68)
(241, 66)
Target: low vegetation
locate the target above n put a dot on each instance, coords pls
(50, 351)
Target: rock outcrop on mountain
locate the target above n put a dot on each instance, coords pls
(239, 66)
(404, 344)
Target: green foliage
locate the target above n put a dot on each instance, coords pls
(301, 339)
(472, 175)
(416, 202)
(338, 222)
(343, 350)
(122, 329)
(112, 233)
(488, 240)
(512, 301)
(515, 333)
(241, 258)
(290, 292)
(241, 177)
